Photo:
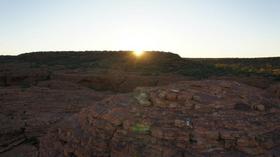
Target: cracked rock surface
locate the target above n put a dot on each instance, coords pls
(191, 118)
(27, 113)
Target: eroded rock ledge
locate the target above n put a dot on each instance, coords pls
(193, 118)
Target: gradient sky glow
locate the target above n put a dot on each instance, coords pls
(192, 28)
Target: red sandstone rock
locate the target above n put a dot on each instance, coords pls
(26, 114)
(123, 126)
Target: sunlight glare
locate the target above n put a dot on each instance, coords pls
(138, 53)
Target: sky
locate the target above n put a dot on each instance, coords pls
(191, 28)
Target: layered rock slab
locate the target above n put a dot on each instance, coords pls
(27, 113)
(193, 118)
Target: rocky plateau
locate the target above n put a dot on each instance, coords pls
(108, 104)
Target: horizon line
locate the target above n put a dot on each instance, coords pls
(53, 51)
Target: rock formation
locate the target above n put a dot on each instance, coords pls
(192, 118)
(70, 104)
(27, 113)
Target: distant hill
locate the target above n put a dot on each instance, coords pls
(152, 62)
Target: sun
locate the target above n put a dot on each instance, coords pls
(138, 53)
